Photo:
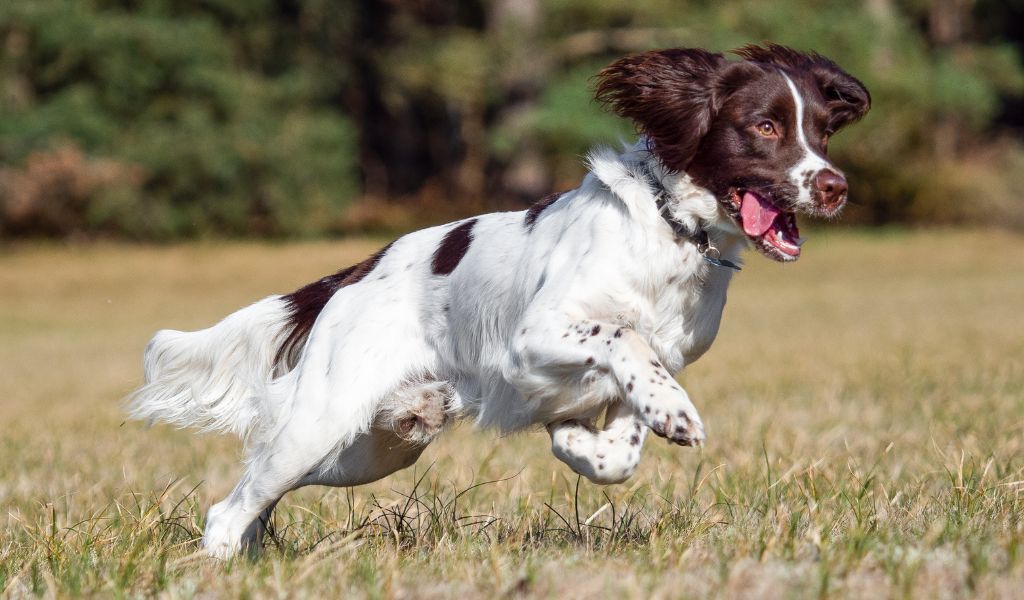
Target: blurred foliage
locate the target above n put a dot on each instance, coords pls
(219, 132)
(161, 119)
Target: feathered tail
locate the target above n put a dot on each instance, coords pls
(216, 378)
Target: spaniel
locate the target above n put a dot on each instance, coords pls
(592, 301)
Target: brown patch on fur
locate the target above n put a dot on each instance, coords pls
(453, 247)
(306, 303)
(538, 207)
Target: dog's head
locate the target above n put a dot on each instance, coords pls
(754, 132)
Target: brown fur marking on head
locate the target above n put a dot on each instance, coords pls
(847, 99)
(674, 95)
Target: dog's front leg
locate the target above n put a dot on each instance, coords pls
(562, 352)
(603, 456)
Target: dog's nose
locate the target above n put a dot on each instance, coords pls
(830, 188)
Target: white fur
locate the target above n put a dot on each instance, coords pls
(811, 162)
(215, 379)
(597, 307)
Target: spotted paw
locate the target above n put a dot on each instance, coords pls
(681, 427)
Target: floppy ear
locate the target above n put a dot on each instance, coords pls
(846, 97)
(669, 94)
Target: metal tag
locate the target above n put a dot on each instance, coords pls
(721, 262)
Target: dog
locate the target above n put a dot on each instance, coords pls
(589, 302)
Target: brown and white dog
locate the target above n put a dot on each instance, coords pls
(590, 301)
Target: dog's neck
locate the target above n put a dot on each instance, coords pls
(665, 202)
(658, 196)
(698, 236)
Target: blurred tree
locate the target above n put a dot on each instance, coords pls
(1002, 21)
(932, 103)
(167, 118)
(215, 105)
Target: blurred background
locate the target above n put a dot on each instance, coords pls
(172, 119)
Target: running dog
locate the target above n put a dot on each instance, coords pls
(589, 302)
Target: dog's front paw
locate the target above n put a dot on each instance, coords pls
(682, 427)
(663, 405)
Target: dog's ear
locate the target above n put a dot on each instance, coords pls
(669, 94)
(845, 96)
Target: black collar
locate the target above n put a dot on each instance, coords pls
(699, 236)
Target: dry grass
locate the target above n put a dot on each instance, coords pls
(865, 409)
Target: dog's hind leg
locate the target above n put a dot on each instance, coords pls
(603, 456)
(371, 456)
(326, 406)
(252, 537)
(407, 420)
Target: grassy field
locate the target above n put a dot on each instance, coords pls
(865, 412)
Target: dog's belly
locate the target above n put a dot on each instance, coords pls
(487, 397)
(493, 402)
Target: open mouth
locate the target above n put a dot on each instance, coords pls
(772, 229)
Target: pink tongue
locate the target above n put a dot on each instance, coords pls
(757, 215)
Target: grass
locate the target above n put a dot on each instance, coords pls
(865, 411)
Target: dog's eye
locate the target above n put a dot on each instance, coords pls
(767, 129)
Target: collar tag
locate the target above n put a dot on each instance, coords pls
(721, 262)
(699, 237)
(711, 253)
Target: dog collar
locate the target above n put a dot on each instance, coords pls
(699, 236)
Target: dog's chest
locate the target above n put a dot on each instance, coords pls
(681, 317)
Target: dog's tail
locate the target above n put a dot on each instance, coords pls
(216, 378)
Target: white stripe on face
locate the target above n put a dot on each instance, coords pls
(802, 173)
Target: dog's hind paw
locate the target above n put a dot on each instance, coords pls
(222, 537)
(419, 412)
